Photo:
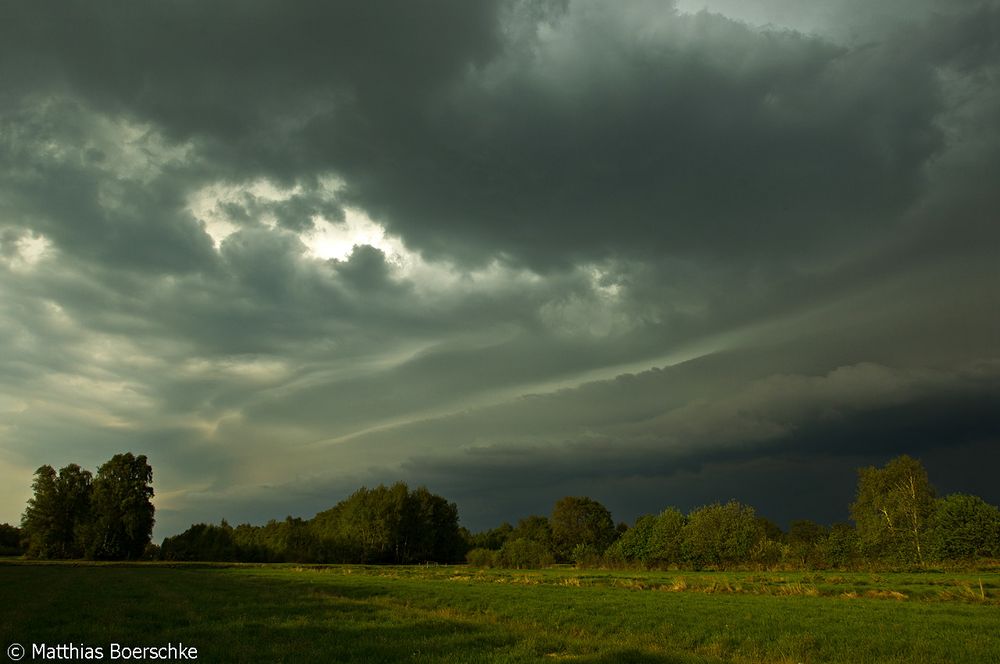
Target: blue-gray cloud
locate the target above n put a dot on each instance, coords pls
(285, 249)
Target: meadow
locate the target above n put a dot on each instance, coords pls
(351, 613)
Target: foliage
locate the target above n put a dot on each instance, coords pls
(665, 538)
(766, 553)
(804, 539)
(392, 525)
(524, 554)
(483, 558)
(379, 525)
(964, 527)
(10, 540)
(654, 541)
(580, 520)
(58, 519)
(123, 509)
(586, 555)
(201, 542)
(73, 514)
(493, 538)
(534, 528)
(892, 510)
(720, 535)
(634, 544)
(841, 548)
(771, 530)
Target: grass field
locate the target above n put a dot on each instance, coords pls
(287, 613)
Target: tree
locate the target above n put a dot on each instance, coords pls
(123, 510)
(892, 510)
(580, 520)
(633, 545)
(721, 534)
(431, 529)
(57, 519)
(841, 546)
(391, 525)
(534, 528)
(201, 542)
(492, 539)
(964, 527)
(804, 537)
(665, 538)
(40, 521)
(10, 540)
(771, 530)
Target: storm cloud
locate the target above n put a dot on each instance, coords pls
(652, 252)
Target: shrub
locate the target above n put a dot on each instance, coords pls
(482, 557)
(586, 555)
(524, 553)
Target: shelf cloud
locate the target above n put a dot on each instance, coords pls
(654, 252)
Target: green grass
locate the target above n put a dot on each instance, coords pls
(288, 613)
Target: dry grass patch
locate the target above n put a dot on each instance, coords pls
(885, 594)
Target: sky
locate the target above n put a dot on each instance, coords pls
(656, 253)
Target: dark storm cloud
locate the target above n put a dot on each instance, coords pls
(587, 131)
(229, 68)
(700, 431)
(592, 189)
(640, 131)
(658, 430)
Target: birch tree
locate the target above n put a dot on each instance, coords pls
(893, 509)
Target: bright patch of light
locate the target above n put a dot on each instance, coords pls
(208, 205)
(336, 241)
(218, 230)
(32, 248)
(29, 250)
(602, 285)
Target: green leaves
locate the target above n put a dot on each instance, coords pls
(721, 534)
(964, 527)
(72, 514)
(580, 520)
(123, 511)
(892, 510)
(58, 516)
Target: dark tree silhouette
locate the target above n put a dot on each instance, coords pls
(123, 511)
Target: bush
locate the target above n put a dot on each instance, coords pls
(964, 527)
(615, 558)
(841, 547)
(768, 553)
(665, 538)
(482, 558)
(721, 535)
(586, 555)
(525, 554)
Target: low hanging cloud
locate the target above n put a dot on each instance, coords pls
(660, 251)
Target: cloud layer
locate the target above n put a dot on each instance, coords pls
(655, 253)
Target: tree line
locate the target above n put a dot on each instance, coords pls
(393, 525)
(899, 521)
